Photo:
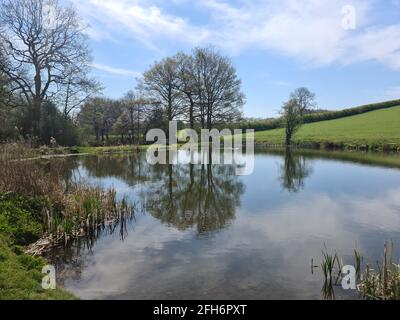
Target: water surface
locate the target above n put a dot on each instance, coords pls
(201, 232)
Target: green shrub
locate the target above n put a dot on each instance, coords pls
(20, 219)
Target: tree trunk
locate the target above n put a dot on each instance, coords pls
(191, 116)
(37, 103)
(288, 138)
(35, 118)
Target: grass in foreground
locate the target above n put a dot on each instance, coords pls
(376, 128)
(20, 274)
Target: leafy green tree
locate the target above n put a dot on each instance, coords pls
(301, 102)
(53, 124)
(292, 119)
(100, 115)
(91, 115)
(122, 127)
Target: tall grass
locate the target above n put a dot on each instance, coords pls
(328, 264)
(69, 210)
(382, 283)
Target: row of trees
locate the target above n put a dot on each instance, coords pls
(200, 90)
(127, 118)
(46, 89)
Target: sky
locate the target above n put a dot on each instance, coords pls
(347, 52)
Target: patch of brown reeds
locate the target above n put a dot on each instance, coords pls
(69, 210)
(382, 283)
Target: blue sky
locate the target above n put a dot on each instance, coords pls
(347, 58)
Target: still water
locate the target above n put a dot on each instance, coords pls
(201, 232)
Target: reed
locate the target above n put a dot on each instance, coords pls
(328, 263)
(384, 282)
(68, 210)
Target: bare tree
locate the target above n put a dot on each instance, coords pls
(305, 99)
(219, 88)
(3, 82)
(160, 83)
(135, 107)
(75, 90)
(46, 46)
(188, 85)
(203, 86)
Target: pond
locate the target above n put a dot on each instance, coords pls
(201, 232)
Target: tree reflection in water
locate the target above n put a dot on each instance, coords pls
(185, 196)
(204, 196)
(181, 195)
(294, 171)
(201, 196)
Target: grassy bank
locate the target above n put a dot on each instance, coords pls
(20, 274)
(39, 210)
(111, 149)
(62, 151)
(375, 130)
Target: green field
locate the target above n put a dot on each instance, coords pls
(375, 128)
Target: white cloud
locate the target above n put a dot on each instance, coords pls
(308, 30)
(117, 71)
(141, 19)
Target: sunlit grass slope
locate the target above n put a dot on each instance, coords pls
(375, 128)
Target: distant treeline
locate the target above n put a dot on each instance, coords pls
(269, 124)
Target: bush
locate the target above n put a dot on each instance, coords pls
(54, 124)
(20, 219)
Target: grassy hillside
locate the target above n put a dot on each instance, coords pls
(261, 125)
(375, 128)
